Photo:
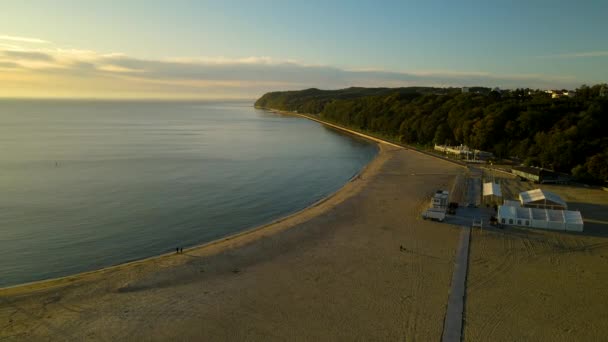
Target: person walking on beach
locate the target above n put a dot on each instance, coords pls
(176, 250)
(181, 250)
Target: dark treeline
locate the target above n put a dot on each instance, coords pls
(566, 134)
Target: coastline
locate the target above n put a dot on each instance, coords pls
(365, 136)
(359, 264)
(340, 128)
(237, 238)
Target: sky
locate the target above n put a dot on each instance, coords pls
(242, 49)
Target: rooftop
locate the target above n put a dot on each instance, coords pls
(540, 195)
(565, 216)
(532, 170)
(490, 189)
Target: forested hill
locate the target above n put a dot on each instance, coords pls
(566, 134)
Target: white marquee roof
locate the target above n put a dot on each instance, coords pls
(564, 216)
(540, 195)
(490, 189)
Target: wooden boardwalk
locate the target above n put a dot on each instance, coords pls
(452, 326)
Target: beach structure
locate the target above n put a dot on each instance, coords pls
(491, 192)
(440, 199)
(556, 94)
(539, 198)
(464, 152)
(539, 175)
(512, 214)
(438, 206)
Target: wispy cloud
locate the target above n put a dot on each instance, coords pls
(23, 39)
(227, 60)
(578, 55)
(49, 70)
(28, 55)
(8, 65)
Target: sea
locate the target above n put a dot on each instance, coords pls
(89, 184)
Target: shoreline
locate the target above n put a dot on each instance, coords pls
(340, 128)
(363, 135)
(45, 284)
(334, 270)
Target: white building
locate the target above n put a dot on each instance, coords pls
(464, 152)
(562, 220)
(555, 94)
(491, 192)
(440, 200)
(540, 209)
(539, 198)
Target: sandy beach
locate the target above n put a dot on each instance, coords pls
(334, 271)
(358, 265)
(537, 285)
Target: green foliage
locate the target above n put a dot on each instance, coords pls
(565, 134)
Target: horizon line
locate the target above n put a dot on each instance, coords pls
(126, 99)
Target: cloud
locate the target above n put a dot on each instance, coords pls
(226, 60)
(23, 39)
(51, 71)
(262, 70)
(578, 55)
(8, 65)
(116, 68)
(28, 55)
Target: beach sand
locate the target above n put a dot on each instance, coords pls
(537, 285)
(334, 271)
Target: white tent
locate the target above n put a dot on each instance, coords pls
(574, 220)
(491, 189)
(564, 220)
(539, 198)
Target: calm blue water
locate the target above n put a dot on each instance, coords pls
(90, 184)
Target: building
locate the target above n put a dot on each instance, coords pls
(530, 173)
(465, 89)
(438, 207)
(539, 198)
(459, 151)
(440, 200)
(491, 192)
(556, 94)
(512, 214)
(539, 175)
(464, 152)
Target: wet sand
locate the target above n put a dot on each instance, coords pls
(334, 271)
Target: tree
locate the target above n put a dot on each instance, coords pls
(565, 134)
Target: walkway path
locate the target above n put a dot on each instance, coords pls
(452, 327)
